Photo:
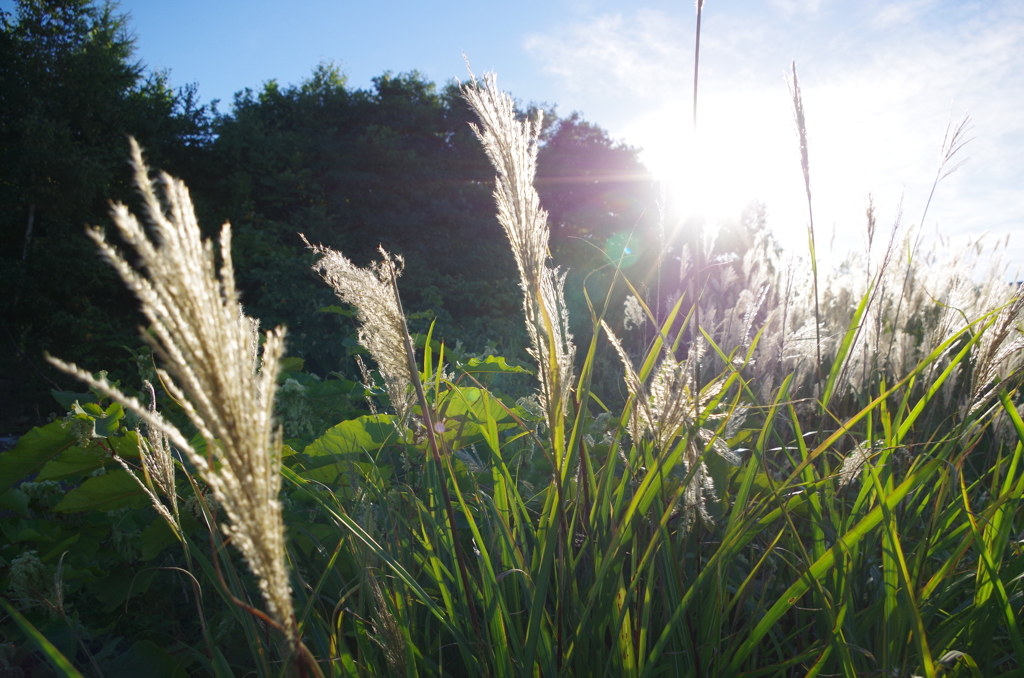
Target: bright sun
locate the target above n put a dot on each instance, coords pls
(744, 149)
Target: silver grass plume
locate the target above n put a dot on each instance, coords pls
(382, 327)
(634, 315)
(853, 463)
(666, 408)
(387, 631)
(206, 345)
(157, 470)
(511, 145)
(998, 354)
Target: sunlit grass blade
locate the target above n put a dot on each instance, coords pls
(59, 662)
(826, 562)
(894, 559)
(839, 363)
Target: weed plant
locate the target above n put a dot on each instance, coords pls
(821, 477)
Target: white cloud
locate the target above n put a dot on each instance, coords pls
(611, 54)
(894, 13)
(797, 6)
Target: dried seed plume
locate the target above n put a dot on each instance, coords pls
(207, 347)
(382, 327)
(511, 145)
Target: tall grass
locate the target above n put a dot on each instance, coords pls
(826, 481)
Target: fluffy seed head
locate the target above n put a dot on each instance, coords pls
(207, 347)
(511, 145)
(382, 326)
(665, 410)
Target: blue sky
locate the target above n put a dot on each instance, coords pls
(880, 80)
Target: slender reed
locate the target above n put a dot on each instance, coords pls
(952, 142)
(698, 250)
(384, 333)
(801, 128)
(382, 328)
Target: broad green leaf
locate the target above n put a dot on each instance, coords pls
(33, 451)
(30, 534)
(155, 537)
(110, 422)
(68, 399)
(333, 389)
(75, 461)
(126, 446)
(14, 499)
(61, 548)
(465, 412)
(198, 444)
(363, 434)
(335, 474)
(292, 364)
(145, 659)
(107, 492)
(347, 312)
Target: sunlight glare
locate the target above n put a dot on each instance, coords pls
(746, 149)
(743, 150)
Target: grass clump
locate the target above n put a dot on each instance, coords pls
(824, 479)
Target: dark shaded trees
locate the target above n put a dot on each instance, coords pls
(397, 165)
(393, 166)
(70, 94)
(593, 187)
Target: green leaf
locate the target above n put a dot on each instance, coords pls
(14, 499)
(67, 399)
(465, 412)
(363, 434)
(33, 451)
(109, 424)
(126, 446)
(74, 461)
(198, 443)
(492, 363)
(61, 548)
(340, 474)
(107, 492)
(347, 312)
(292, 364)
(155, 538)
(30, 534)
(333, 389)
